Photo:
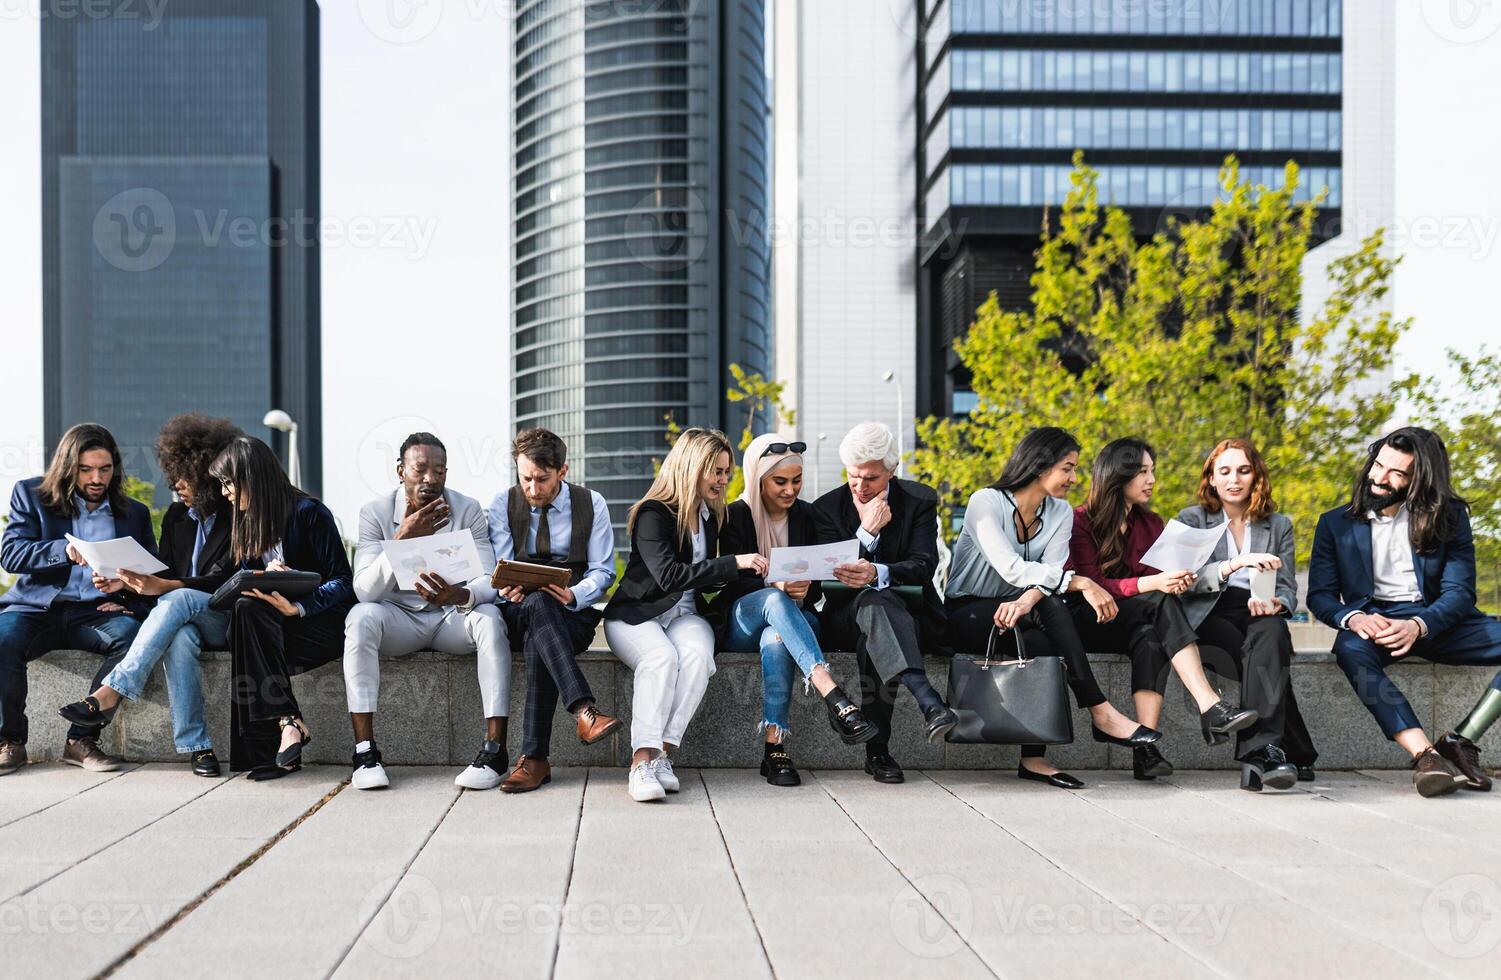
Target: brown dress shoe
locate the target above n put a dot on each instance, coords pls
(1464, 755)
(594, 725)
(12, 757)
(527, 776)
(85, 753)
(1432, 775)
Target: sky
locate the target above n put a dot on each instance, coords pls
(415, 139)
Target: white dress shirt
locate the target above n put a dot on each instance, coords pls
(1241, 577)
(1393, 578)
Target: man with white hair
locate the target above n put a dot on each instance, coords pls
(896, 524)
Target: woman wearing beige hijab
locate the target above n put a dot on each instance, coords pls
(777, 618)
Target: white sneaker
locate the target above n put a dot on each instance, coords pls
(368, 772)
(665, 775)
(644, 786)
(487, 769)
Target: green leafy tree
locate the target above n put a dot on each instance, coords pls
(144, 492)
(1184, 339)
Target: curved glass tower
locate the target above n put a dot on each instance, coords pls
(640, 260)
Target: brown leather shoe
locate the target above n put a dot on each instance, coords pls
(85, 753)
(12, 757)
(527, 776)
(1464, 755)
(1432, 774)
(594, 725)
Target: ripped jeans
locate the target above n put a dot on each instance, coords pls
(787, 637)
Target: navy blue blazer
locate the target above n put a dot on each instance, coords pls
(311, 543)
(34, 548)
(1341, 574)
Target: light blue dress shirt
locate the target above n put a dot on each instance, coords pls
(601, 551)
(90, 525)
(870, 542)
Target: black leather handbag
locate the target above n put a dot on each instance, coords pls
(1010, 702)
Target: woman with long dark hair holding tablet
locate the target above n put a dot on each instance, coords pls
(277, 527)
(1009, 572)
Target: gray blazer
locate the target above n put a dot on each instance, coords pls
(373, 579)
(1272, 534)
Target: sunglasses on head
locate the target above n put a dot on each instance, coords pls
(785, 447)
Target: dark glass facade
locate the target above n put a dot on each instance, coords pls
(1156, 95)
(179, 207)
(640, 254)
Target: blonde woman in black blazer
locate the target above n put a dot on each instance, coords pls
(654, 622)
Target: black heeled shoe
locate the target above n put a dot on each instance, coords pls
(1147, 763)
(88, 712)
(290, 758)
(1061, 780)
(1221, 719)
(846, 720)
(940, 721)
(1267, 766)
(776, 766)
(1142, 736)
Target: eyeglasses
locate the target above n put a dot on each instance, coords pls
(785, 447)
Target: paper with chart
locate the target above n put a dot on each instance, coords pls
(1181, 547)
(451, 555)
(106, 558)
(812, 563)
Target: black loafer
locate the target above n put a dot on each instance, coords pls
(1062, 780)
(263, 774)
(940, 721)
(88, 712)
(846, 720)
(205, 763)
(1142, 736)
(883, 769)
(1148, 763)
(777, 767)
(1306, 774)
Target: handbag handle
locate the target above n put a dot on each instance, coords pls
(1021, 647)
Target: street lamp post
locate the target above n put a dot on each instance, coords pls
(901, 419)
(818, 462)
(282, 422)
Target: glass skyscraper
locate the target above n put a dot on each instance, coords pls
(1156, 95)
(640, 252)
(179, 209)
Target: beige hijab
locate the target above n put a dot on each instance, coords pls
(769, 533)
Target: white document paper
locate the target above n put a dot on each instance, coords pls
(1181, 547)
(812, 563)
(106, 558)
(451, 554)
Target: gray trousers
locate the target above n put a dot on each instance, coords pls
(384, 629)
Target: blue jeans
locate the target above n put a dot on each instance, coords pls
(27, 633)
(177, 630)
(787, 637)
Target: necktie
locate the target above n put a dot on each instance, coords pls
(543, 547)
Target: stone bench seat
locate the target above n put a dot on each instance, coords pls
(430, 714)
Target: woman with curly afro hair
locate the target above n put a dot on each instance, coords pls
(195, 546)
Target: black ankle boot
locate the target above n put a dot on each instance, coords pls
(1267, 766)
(845, 718)
(1148, 763)
(776, 766)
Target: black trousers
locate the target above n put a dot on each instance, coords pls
(551, 637)
(1258, 651)
(885, 638)
(1048, 630)
(1149, 628)
(267, 650)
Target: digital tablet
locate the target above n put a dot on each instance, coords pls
(292, 585)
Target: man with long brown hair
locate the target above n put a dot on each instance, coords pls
(57, 602)
(1394, 572)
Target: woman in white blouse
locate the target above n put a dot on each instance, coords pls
(1008, 573)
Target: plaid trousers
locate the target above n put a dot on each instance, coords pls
(551, 637)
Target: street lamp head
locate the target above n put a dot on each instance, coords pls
(278, 420)
(888, 376)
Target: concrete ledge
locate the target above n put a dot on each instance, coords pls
(430, 715)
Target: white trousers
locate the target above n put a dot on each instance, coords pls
(672, 658)
(382, 629)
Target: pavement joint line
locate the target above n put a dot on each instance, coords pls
(458, 792)
(1363, 808)
(1315, 909)
(92, 786)
(209, 892)
(97, 851)
(578, 827)
(910, 883)
(1087, 886)
(744, 898)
